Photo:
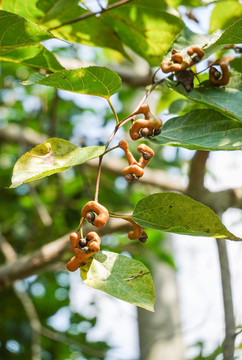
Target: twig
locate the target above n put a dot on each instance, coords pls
(63, 339)
(53, 114)
(35, 324)
(47, 255)
(117, 127)
(114, 112)
(90, 14)
(27, 303)
(40, 207)
(228, 344)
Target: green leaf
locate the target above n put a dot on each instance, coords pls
(49, 14)
(54, 155)
(189, 3)
(232, 35)
(36, 56)
(146, 27)
(41, 11)
(92, 80)
(124, 278)
(202, 130)
(15, 31)
(176, 213)
(226, 99)
(224, 14)
(209, 43)
(236, 64)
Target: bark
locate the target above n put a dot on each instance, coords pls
(160, 332)
(228, 345)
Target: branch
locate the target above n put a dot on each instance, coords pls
(90, 14)
(196, 187)
(24, 298)
(30, 264)
(35, 324)
(218, 201)
(197, 191)
(17, 134)
(228, 345)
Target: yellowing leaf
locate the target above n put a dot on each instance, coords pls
(54, 155)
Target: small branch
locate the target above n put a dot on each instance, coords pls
(40, 207)
(120, 124)
(63, 339)
(47, 255)
(98, 178)
(228, 345)
(146, 95)
(21, 135)
(90, 14)
(196, 187)
(32, 315)
(114, 112)
(53, 115)
(27, 303)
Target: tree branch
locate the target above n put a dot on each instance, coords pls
(228, 345)
(90, 14)
(218, 201)
(35, 323)
(30, 264)
(197, 191)
(24, 298)
(196, 187)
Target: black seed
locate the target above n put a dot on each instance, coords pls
(156, 132)
(82, 242)
(144, 132)
(90, 217)
(129, 177)
(146, 155)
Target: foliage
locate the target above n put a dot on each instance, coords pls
(39, 212)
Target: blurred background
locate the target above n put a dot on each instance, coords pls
(52, 312)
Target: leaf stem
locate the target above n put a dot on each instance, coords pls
(80, 226)
(90, 14)
(114, 112)
(146, 95)
(112, 148)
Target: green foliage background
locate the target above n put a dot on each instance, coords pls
(146, 29)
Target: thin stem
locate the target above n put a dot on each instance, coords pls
(98, 178)
(124, 217)
(90, 14)
(112, 148)
(204, 69)
(80, 226)
(118, 216)
(118, 125)
(153, 77)
(146, 95)
(114, 112)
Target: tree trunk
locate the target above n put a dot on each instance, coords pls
(160, 332)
